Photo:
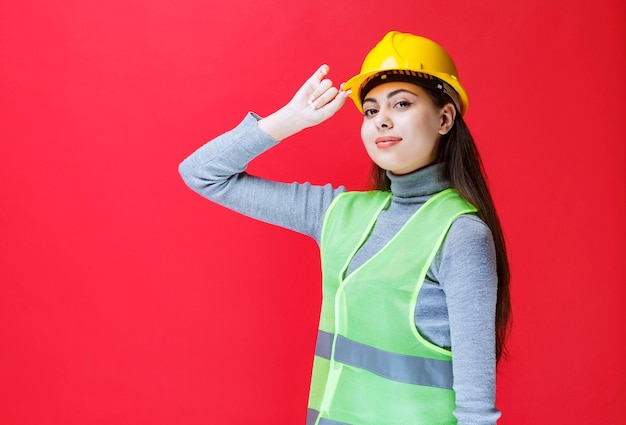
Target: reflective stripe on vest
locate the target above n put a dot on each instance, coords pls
(397, 367)
(371, 366)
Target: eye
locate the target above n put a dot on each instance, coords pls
(402, 104)
(369, 112)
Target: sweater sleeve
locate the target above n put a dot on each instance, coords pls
(467, 274)
(217, 172)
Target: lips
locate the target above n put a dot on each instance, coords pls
(387, 141)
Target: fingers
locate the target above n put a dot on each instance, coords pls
(323, 94)
(323, 90)
(316, 100)
(331, 99)
(337, 102)
(318, 83)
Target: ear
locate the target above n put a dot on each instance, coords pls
(447, 115)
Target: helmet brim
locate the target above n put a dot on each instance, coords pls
(357, 83)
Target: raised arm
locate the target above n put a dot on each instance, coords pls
(217, 169)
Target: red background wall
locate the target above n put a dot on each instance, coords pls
(127, 299)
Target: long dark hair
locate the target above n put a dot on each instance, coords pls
(465, 171)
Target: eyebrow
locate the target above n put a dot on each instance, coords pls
(390, 95)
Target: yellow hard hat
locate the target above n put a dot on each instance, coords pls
(406, 56)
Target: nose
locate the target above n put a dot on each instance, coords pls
(383, 120)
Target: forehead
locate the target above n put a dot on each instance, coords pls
(384, 90)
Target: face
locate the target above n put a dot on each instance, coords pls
(402, 127)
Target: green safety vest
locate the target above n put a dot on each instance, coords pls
(371, 365)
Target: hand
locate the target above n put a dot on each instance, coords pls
(317, 99)
(315, 102)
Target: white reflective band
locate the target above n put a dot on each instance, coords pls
(396, 367)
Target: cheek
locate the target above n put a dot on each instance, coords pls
(368, 135)
(369, 130)
(427, 129)
(365, 132)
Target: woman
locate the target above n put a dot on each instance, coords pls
(415, 274)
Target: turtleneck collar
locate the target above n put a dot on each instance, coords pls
(425, 182)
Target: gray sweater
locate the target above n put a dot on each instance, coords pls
(456, 305)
